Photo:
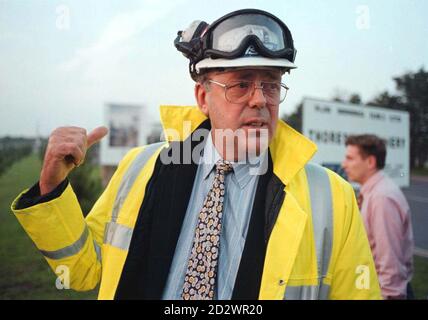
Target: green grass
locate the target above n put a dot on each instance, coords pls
(24, 273)
(420, 278)
(420, 172)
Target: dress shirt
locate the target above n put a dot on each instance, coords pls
(386, 215)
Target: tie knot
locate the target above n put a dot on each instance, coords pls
(223, 166)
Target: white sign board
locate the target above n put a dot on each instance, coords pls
(328, 124)
(125, 132)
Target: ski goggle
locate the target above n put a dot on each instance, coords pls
(248, 32)
(239, 34)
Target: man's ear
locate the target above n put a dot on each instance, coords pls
(201, 97)
(372, 162)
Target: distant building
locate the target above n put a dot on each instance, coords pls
(129, 127)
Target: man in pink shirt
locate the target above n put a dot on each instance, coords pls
(385, 212)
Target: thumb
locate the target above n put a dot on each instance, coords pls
(96, 135)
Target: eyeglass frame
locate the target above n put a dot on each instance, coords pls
(255, 87)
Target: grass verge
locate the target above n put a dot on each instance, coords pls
(24, 273)
(420, 278)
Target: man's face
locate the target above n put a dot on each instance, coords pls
(256, 118)
(357, 167)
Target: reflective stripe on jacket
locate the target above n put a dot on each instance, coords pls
(317, 248)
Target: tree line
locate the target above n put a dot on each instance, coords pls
(12, 150)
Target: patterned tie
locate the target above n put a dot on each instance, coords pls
(202, 267)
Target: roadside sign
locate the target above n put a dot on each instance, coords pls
(328, 123)
(125, 132)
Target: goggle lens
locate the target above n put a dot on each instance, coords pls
(229, 34)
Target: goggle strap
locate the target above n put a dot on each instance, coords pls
(191, 49)
(200, 30)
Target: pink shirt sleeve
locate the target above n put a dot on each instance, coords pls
(384, 221)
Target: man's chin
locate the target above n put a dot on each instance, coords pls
(351, 179)
(244, 143)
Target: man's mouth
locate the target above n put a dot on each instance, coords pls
(256, 124)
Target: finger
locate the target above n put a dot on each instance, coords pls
(96, 135)
(72, 153)
(81, 140)
(71, 160)
(81, 144)
(78, 138)
(68, 131)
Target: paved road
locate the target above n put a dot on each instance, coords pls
(417, 196)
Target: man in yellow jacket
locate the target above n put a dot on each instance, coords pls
(229, 207)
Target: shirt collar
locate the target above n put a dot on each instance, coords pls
(243, 172)
(371, 182)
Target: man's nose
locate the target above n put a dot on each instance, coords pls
(258, 99)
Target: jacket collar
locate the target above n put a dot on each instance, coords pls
(289, 149)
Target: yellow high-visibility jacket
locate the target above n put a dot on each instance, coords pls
(336, 263)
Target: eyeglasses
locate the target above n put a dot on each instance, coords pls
(240, 91)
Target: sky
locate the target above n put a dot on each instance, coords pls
(62, 61)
